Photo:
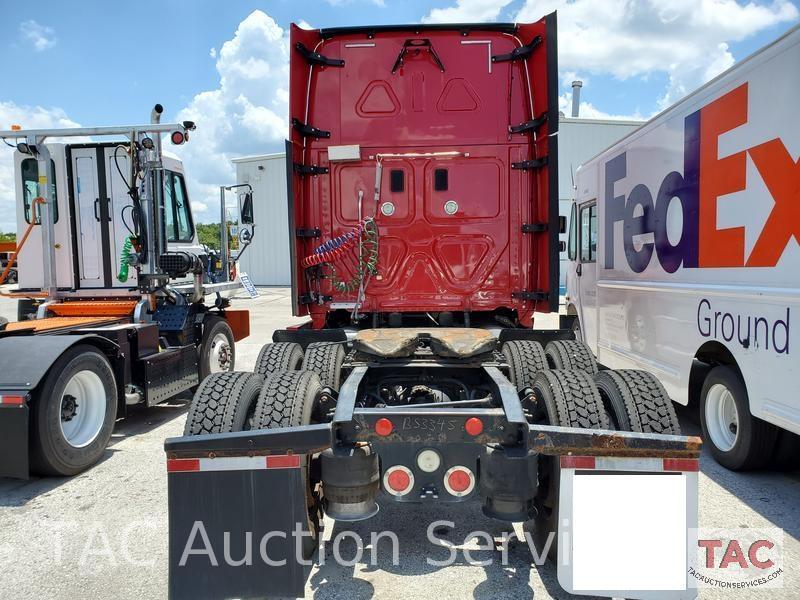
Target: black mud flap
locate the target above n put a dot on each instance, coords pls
(237, 533)
(14, 441)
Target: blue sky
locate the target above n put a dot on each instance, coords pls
(64, 63)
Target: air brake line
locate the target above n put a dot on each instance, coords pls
(364, 236)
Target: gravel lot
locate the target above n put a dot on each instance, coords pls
(103, 534)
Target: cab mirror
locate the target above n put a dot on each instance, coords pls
(246, 215)
(562, 224)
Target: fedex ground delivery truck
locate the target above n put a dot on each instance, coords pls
(684, 250)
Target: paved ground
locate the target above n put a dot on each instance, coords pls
(103, 534)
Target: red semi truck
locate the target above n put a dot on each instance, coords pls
(424, 227)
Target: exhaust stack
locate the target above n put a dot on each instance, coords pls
(155, 114)
(576, 98)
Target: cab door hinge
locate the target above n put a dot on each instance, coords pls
(308, 233)
(520, 53)
(534, 163)
(309, 131)
(314, 58)
(532, 125)
(309, 169)
(534, 227)
(535, 296)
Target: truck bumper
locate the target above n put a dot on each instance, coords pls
(246, 491)
(14, 441)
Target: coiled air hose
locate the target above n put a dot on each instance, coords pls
(333, 249)
(122, 276)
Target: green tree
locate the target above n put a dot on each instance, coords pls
(208, 233)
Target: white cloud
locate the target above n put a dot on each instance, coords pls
(29, 117)
(199, 207)
(212, 53)
(467, 11)
(41, 36)
(686, 39)
(246, 114)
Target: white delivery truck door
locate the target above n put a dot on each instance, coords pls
(88, 225)
(586, 269)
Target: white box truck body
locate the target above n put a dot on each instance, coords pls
(685, 253)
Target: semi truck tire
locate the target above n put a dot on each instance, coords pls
(278, 357)
(636, 401)
(737, 440)
(74, 410)
(288, 400)
(571, 355)
(217, 349)
(566, 399)
(223, 403)
(525, 359)
(325, 359)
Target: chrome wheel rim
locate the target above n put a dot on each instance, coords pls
(722, 417)
(220, 354)
(83, 408)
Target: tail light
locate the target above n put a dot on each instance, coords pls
(459, 481)
(398, 480)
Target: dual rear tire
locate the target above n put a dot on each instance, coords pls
(565, 399)
(569, 391)
(323, 358)
(227, 402)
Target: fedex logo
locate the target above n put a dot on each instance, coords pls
(705, 178)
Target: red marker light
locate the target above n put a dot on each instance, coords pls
(474, 426)
(383, 427)
(177, 138)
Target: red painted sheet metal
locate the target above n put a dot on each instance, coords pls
(430, 260)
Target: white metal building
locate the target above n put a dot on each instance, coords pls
(267, 260)
(578, 141)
